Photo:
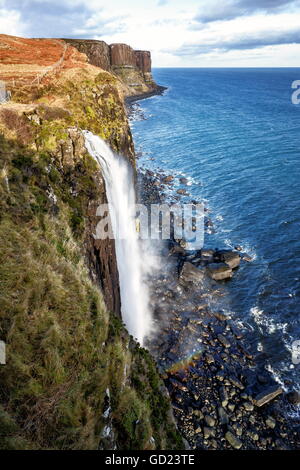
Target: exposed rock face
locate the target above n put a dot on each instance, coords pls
(122, 55)
(143, 61)
(97, 52)
(219, 271)
(189, 273)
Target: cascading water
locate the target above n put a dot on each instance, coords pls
(132, 268)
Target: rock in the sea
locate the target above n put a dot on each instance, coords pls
(223, 396)
(207, 255)
(208, 432)
(231, 258)
(219, 271)
(238, 248)
(267, 395)
(183, 180)
(233, 440)
(182, 192)
(293, 397)
(167, 179)
(209, 358)
(177, 250)
(189, 273)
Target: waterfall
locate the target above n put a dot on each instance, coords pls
(132, 264)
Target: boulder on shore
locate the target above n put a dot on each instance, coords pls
(219, 271)
(267, 395)
(207, 255)
(231, 258)
(189, 273)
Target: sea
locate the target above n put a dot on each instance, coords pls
(234, 135)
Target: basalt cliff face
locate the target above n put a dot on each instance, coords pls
(74, 378)
(133, 67)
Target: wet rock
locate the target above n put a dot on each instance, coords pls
(223, 396)
(189, 273)
(183, 180)
(247, 258)
(233, 440)
(237, 333)
(220, 375)
(238, 429)
(209, 358)
(293, 397)
(253, 435)
(210, 421)
(208, 223)
(177, 250)
(231, 406)
(224, 341)
(270, 422)
(182, 192)
(214, 444)
(207, 432)
(237, 383)
(248, 406)
(230, 258)
(167, 179)
(207, 256)
(267, 395)
(220, 316)
(219, 271)
(238, 248)
(223, 417)
(198, 414)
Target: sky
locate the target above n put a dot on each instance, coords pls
(179, 33)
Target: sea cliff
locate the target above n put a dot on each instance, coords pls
(73, 378)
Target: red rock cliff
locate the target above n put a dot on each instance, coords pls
(122, 55)
(143, 61)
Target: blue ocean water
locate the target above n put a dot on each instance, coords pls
(235, 134)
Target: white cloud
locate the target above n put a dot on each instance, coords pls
(10, 22)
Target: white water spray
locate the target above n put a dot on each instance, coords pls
(132, 268)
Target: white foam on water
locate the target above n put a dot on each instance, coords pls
(267, 324)
(247, 248)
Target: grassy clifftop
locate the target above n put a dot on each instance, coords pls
(74, 379)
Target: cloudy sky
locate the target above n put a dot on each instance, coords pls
(181, 33)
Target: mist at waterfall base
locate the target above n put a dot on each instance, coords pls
(234, 134)
(133, 265)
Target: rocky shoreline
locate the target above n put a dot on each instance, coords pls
(221, 398)
(159, 90)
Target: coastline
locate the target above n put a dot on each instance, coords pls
(159, 90)
(221, 397)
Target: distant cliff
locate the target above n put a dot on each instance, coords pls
(133, 67)
(74, 378)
